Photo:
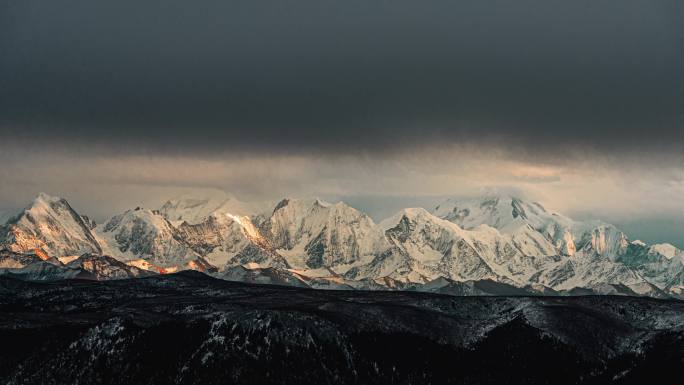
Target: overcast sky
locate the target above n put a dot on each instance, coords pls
(384, 103)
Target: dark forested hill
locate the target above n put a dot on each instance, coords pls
(188, 328)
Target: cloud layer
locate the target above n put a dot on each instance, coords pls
(547, 77)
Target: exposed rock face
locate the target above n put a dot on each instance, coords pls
(88, 266)
(90, 224)
(226, 240)
(103, 267)
(46, 271)
(12, 260)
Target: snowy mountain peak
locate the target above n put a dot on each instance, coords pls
(314, 233)
(46, 198)
(49, 225)
(144, 233)
(512, 215)
(498, 211)
(323, 203)
(227, 239)
(284, 202)
(667, 250)
(195, 208)
(638, 242)
(301, 204)
(413, 215)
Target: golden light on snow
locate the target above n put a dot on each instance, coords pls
(41, 254)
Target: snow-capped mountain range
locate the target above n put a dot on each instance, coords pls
(500, 240)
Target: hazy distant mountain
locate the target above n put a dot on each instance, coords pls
(194, 209)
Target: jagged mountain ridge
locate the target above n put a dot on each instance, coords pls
(511, 215)
(226, 239)
(594, 253)
(146, 234)
(425, 247)
(498, 238)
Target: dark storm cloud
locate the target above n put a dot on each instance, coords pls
(210, 76)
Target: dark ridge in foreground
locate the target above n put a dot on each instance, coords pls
(188, 328)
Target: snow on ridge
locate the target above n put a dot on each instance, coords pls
(412, 213)
(667, 250)
(501, 238)
(51, 225)
(195, 208)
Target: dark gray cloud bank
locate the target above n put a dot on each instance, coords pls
(578, 103)
(304, 75)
